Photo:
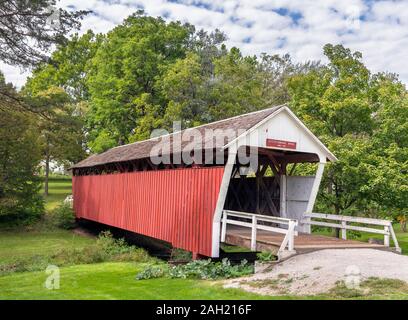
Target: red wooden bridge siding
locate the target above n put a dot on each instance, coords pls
(176, 205)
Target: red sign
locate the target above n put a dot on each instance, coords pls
(280, 144)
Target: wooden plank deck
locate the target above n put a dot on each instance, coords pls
(269, 241)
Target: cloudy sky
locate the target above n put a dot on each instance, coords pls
(378, 29)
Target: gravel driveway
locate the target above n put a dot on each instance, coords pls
(318, 272)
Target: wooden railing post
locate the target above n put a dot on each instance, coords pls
(387, 231)
(253, 234)
(394, 239)
(387, 236)
(224, 226)
(291, 231)
(344, 230)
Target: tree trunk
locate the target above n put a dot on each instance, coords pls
(336, 231)
(404, 226)
(47, 173)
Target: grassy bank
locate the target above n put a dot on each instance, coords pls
(111, 281)
(25, 244)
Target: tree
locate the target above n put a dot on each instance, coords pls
(275, 71)
(333, 100)
(61, 136)
(19, 158)
(355, 113)
(127, 65)
(389, 182)
(214, 83)
(29, 28)
(67, 67)
(58, 90)
(184, 87)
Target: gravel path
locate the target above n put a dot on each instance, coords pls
(318, 272)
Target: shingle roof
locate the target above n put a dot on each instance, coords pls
(142, 149)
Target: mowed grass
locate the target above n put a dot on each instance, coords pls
(59, 187)
(112, 281)
(116, 280)
(24, 244)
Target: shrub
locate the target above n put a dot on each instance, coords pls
(201, 269)
(180, 255)
(266, 256)
(206, 269)
(152, 272)
(119, 250)
(63, 216)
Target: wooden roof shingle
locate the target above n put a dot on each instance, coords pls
(142, 149)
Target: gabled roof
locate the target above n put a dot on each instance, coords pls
(142, 149)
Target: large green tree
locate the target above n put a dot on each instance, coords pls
(67, 67)
(354, 113)
(201, 90)
(58, 91)
(125, 68)
(60, 133)
(19, 159)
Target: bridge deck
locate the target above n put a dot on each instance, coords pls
(269, 241)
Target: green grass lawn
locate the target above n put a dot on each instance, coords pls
(24, 244)
(111, 281)
(116, 280)
(59, 187)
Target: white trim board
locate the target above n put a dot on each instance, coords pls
(289, 127)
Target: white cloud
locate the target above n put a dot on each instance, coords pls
(379, 29)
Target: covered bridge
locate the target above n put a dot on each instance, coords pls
(180, 187)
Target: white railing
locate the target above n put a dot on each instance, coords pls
(343, 225)
(252, 222)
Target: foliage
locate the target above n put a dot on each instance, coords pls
(180, 255)
(61, 133)
(126, 65)
(362, 118)
(63, 216)
(226, 83)
(30, 28)
(265, 256)
(152, 272)
(68, 67)
(139, 81)
(19, 157)
(199, 269)
(206, 269)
